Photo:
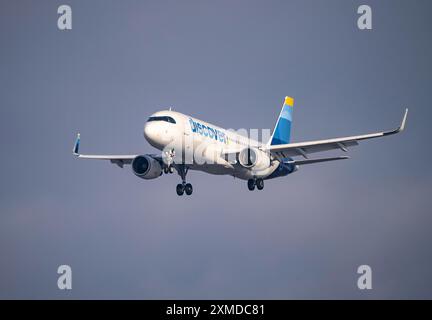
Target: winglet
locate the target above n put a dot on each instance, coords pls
(76, 146)
(402, 126)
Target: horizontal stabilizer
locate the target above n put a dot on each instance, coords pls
(311, 161)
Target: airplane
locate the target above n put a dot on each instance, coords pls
(188, 143)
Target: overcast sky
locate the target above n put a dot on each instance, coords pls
(230, 63)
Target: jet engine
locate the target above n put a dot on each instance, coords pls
(146, 167)
(251, 157)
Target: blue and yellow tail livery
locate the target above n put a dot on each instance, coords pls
(282, 131)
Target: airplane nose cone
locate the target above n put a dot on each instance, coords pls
(150, 132)
(158, 134)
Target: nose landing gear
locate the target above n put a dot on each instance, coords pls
(169, 169)
(169, 159)
(251, 184)
(259, 183)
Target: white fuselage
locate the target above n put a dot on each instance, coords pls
(202, 146)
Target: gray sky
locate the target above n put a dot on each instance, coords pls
(230, 63)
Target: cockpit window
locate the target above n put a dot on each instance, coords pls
(162, 118)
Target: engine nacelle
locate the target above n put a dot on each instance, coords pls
(146, 167)
(254, 158)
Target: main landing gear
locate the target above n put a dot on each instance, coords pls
(259, 183)
(183, 187)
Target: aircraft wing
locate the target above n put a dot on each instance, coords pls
(304, 148)
(119, 160)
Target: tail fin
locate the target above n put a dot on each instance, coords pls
(282, 131)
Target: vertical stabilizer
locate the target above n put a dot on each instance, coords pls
(282, 131)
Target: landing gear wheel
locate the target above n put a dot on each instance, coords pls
(260, 184)
(182, 170)
(180, 189)
(251, 184)
(171, 169)
(188, 189)
(166, 170)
